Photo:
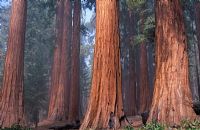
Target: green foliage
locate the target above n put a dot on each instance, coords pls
(138, 39)
(133, 4)
(38, 55)
(128, 128)
(153, 126)
(16, 127)
(145, 20)
(190, 125)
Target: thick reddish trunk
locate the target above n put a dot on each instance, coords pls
(11, 103)
(172, 100)
(105, 103)
(74, 106)
(59, 97)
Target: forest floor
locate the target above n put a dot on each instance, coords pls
(135, 121)
(59, 125)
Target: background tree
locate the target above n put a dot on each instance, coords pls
(74, 106)
(38, 57)
(60, 82)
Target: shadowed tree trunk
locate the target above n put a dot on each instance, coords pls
(59, 97)
(172, 100)
(131, 89)
(197, 15)
(11, 103)
(145, 98)
(105, 103)
(74, 106)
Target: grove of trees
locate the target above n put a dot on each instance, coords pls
(100, 64)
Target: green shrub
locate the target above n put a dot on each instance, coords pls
(190, 125)
(128, 128)
(153, 126)
(15, 127)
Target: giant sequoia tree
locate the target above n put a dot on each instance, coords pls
(58, 106)
(11, 103)
(105, 101)
(172, 100)
(74, 106)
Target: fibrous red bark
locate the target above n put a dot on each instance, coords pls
(105, 103)
(59, 96)
(74, 105)
(172, 100)
(12, 103)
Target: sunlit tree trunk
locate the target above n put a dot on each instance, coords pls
(12, 103)
(59, 97)
(74, 106)
(105, 101)
(172, 100)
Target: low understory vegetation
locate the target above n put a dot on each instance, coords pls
(185, 125)
(15, 127)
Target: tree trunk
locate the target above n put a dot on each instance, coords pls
(11, 103)
(59, 97)
(131, 89)
(105, 103)
(172, 100)
(144, 81)
(144, 100)
(197, 15)
(74, 106)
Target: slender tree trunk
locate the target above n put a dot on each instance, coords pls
(145, 97)
(59, 97)
(12, 103)
(172, 100)
(144, 81)
(197, 15)
(105, 103)
(131, 89)
(74, 106)
(130, 107)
